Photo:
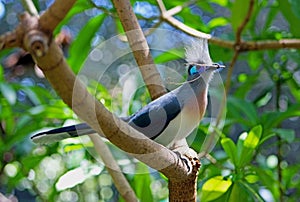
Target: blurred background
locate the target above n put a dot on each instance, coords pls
(261, 124)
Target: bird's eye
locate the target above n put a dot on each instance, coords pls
(192, 70)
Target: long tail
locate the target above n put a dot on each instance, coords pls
(58, 134)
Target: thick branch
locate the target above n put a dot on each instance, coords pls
(74, 93)
(54, 14)
(37, 43)
(140, 48)
(9, 40)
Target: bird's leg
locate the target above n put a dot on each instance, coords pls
(185, 153)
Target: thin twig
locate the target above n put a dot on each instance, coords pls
(243, 45)
(237, 42)
(30, 7)
(244, 23)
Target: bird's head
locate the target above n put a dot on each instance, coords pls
(199, 62)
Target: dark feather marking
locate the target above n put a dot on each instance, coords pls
(168, 106)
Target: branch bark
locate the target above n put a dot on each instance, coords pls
(167, 16)
(37, 41)
(35, 36)
(52, 63)
(140, 48)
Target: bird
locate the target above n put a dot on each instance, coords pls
(169, 118)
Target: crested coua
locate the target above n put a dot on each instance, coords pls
(171, 117)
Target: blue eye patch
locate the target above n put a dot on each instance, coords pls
(193, 69)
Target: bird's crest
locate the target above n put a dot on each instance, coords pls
(197, 52)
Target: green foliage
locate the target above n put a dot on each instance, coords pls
(215, 187)
(82, 44)
(141, 183)
(239, 10)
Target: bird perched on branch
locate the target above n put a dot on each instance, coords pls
(171, 117)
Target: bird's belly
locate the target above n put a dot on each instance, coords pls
(181, 126)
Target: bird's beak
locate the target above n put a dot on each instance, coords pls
(214, 67)
(207, 67)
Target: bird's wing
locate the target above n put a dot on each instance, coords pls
(152, 119)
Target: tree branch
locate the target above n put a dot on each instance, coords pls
(50, 59)
(54, 15)
(74, 94)
(244, 46)
(36, 42)
(140, 48)
(9, 40)
(244, 23)
(270, 44)
(29, 6)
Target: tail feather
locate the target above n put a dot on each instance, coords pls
(59, 134)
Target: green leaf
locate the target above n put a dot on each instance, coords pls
(9, 93)
(7, 116)
(220, 2)
(247, 144)
(253, 137)
(34, 98)
(295, 4)
(250, 190)
(214, 188)
(294, 88)
(142, 181)
(81, 46)
(193, 20)
(286, 134)
(244, 111)
(255, 59)
(230, 149)
(238, 193)
(251, 178)
(271, 120)
(119, 27)
(217, 22)
(204, 5)
(288, 10)
(79, 6)
(270, 17)
(220, 54)
(173, 54)
(1, 73)
(268, 179)
(238, 12)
